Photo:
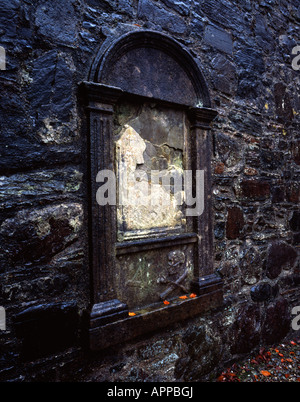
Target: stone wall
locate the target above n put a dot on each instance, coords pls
(245, 51)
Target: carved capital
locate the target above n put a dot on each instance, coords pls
(100, 97)
(106, 312)
(207, 284)
(201, 117)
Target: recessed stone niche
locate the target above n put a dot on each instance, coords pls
(149, 122)
(150, 156)
(150, 146)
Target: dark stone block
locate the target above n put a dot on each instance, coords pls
(255, 189)
(252, 158)
(12, 113)
(250, 61)
(263, 35)
(277, 322)
(47, 328)
(271, 160)
(204, 351)
(151, 12)
(220, 12)
(250, 264)
(35, 237)
(250, 66)
(51, 90)
(283, 104)
(219, 230)
(224, 74)
(261, 292)
(182, 7)
(197, 27)
(246, 329)
(218, 38)
(280, 255)
(296, 239)
(57, 20)
(296, 152)
(295, 221)
(290, 282)
(293, 192)
(20, 154)
(9, 17)
(246, 123)
(235, 222)
(43, 77)
(248, 87)
(62, 91)
(278, 194)
(104, 5)
(228, 149)
(124, 6)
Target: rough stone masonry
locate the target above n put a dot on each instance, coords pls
(245, 50)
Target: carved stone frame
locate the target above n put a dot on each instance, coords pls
(109, 320)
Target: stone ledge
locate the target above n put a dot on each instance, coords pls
(152, 318)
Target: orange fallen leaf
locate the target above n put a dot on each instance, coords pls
(166, 302)
(183, 297)
(280, 354)
(192, 295)
(293, 343)
(286, 375)
(131, 314)
(298, 379)
(265, 373)
(289, 360)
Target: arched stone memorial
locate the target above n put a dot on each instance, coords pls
(150, 217)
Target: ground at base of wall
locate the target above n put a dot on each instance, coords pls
(279, 363)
